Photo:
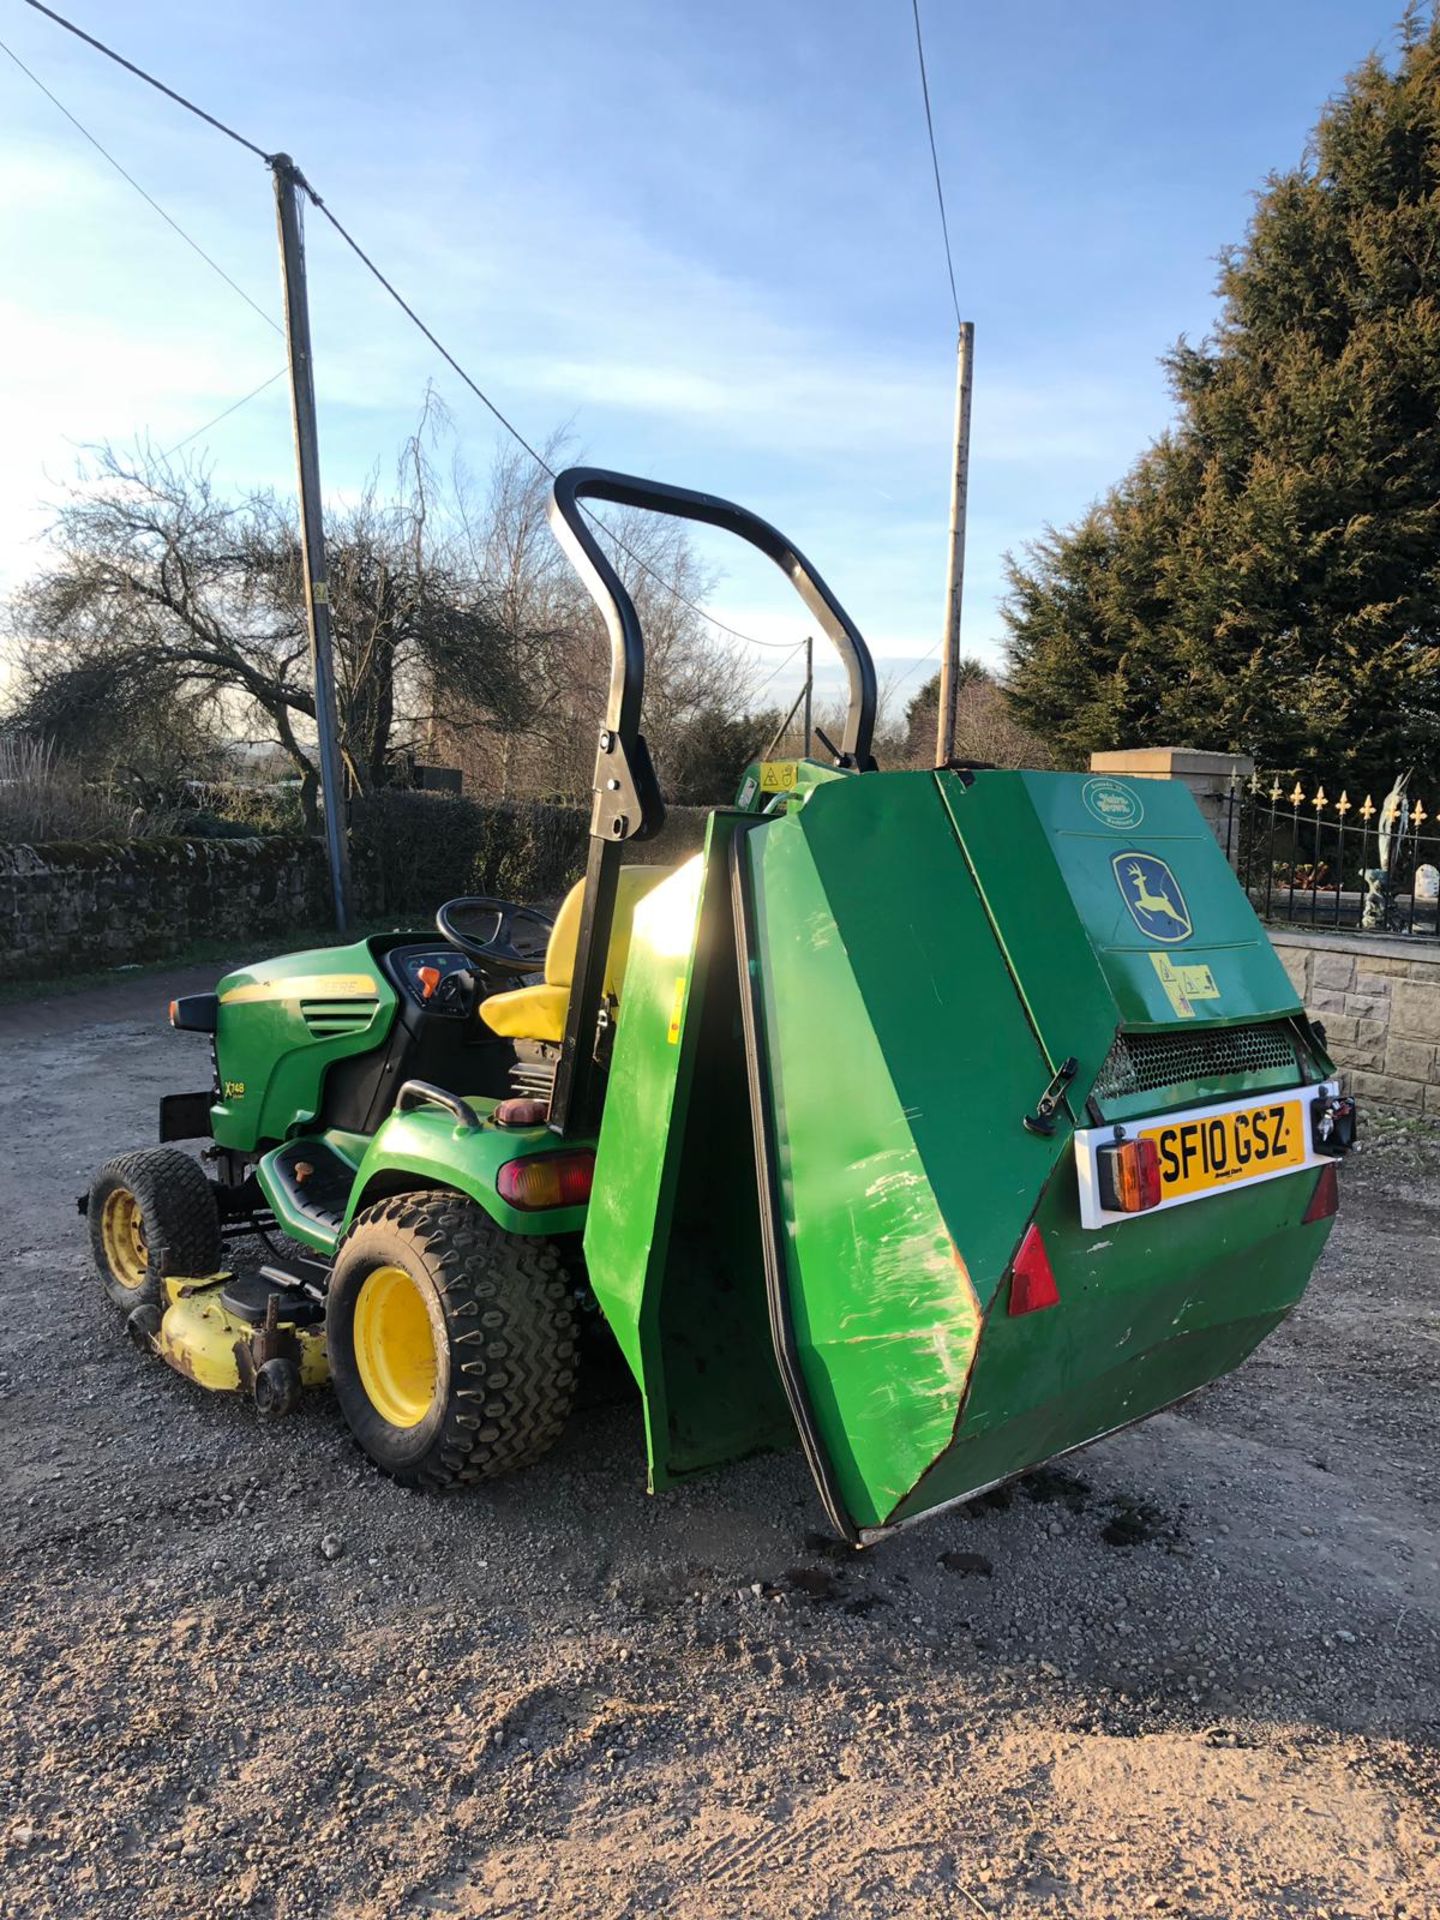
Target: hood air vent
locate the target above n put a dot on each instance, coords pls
(333, 1019)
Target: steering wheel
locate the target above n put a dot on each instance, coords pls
(496, 934)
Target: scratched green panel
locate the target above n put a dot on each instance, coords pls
(902, 1063)
(672, 1243)
(1150, 1309)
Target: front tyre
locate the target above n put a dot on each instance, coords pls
(452, 1345)
(152, 1214)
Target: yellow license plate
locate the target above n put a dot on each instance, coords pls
(1223, 1149)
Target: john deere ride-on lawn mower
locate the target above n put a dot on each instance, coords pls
(943, 1120)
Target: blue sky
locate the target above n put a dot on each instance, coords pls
(704, 235)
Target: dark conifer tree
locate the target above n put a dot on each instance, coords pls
(1267, 576)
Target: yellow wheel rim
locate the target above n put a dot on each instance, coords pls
(122, 1234)
(394, 1347)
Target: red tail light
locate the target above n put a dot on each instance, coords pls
(547, 1180)
(1129, 1176)
(1032, 1278)
(1326, 1198)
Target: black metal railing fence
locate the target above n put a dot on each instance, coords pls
(1309, 858)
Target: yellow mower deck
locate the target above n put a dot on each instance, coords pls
(200, 1336)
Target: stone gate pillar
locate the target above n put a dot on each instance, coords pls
(1209, 776)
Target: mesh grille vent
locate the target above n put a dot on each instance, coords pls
(1145, 1062)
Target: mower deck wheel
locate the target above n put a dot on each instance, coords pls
(143, 1327)
(452, 1344)
(151, 1213)
(277, 1389)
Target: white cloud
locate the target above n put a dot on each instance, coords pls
(87, 381)
(560, 308)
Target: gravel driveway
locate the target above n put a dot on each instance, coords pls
(1195, 1670)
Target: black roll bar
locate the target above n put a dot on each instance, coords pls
(627, 652)
(627, 803)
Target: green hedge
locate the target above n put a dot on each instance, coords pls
(222, 812)
(413, 850)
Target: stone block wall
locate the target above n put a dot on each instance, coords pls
(1379, 1002)
(78, 905)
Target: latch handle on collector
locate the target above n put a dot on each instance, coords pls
(1042, 1120)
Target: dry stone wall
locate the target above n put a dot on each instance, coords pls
(78, 905)
(75, 906)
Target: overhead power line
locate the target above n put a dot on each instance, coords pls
(756, 692)
(149, 198)
(234, 407)
(914, 667)
(509, 425)
(934, 158)
(148, 78)
(410, 313)
(513, 430)
(449, 358)
(188, 238)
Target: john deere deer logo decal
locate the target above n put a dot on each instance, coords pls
(1152, 893)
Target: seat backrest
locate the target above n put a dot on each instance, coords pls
(632, 884)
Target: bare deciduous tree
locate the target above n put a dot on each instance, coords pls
(187, 600)
(986, 728)
(171, 621)
(558, 648)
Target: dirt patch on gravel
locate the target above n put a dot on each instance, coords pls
(1194, 1670)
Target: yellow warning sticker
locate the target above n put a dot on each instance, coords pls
(677, 1008)
(1184, 985)
(777, 776)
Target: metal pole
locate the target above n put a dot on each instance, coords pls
(955, 584)
(312, 527)
(1230, 824)
(809, 688)
(783, 728)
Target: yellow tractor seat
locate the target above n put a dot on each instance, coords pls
(538, 1013)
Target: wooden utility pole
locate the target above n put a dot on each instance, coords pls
(809, 689)
(955, 583)
(288, 188)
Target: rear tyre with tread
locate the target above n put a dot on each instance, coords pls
(152, 1214)
(491, 1387)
